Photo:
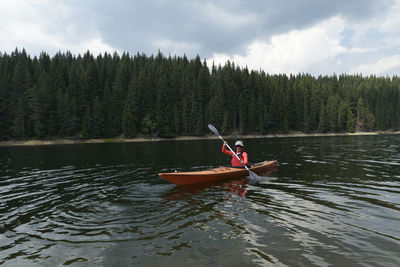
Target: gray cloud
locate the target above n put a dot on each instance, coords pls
(365, 37)
(213, 26)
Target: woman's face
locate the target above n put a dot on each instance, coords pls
(239, 148)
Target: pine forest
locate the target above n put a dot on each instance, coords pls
(112, 95)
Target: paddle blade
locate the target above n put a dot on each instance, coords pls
(213, 129)
(254, 178)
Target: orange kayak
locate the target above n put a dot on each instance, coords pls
(221, 173)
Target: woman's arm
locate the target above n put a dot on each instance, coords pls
(228, 152)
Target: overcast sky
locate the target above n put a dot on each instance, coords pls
(278, 36)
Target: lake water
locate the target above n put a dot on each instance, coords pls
(331, 201)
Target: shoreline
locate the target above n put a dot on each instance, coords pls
(179, 138)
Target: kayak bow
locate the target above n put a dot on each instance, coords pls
(221, 173)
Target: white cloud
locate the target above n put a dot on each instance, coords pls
(378, 40)
(389, 26)
(372, 47)
(392, 20)
(292, 52)
(385, 65)
(95, 46)
(175, 48)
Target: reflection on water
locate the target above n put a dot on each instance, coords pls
(238, 187)
(332, 201)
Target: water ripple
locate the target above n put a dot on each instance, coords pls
(331, 202)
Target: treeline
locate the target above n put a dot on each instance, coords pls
(68, 96)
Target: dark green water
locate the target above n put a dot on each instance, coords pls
(332, 201)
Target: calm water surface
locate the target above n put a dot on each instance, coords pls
(332, 201)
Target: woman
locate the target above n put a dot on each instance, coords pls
(239, 152)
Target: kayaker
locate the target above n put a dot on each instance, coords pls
(239, 152)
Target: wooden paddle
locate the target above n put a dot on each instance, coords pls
(252, 174)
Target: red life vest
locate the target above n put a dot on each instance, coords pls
(235, 162)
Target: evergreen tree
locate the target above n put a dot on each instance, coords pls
(5, 115)
(323, 122)
(98, 121)
(165, 110)
(86, 126)
(365, 119)
(350, 121)
(227, 123)
(332, 113)
(118, 94)
(19, 120)
(216, 104)
(128, 122)
(396, 125)
(201, 98)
